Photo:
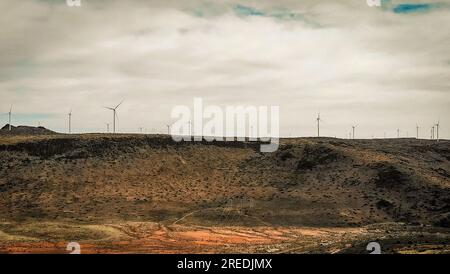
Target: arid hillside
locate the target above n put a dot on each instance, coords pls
(321, 182)
(25, 131)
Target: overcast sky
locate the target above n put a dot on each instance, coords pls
(382, 68)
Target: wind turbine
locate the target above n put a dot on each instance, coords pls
(432, 132)
(318, 124)
(107, 127)
(437, 131)
(168, 129)
(70, 121)
(114, 115)
(417, 131)
(398, 133)
(9, 118)
(353, 131)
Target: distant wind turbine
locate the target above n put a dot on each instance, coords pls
(437, 131)
(168, 129)
(353, 131)
(9, 118)
(318, 124)
(107, 127)
(114, 115)
(70, 121)
(417, 131)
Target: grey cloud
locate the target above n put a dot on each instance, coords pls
(357, 65)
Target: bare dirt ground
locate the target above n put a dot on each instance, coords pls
(148, 194)
(145, 237)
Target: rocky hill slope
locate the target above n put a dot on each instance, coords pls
(25, 130)
(307, 182)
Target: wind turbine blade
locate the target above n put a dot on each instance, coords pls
(118, 105)
(109, 108)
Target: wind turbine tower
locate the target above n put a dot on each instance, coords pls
(114, 115)
(417, 131)
(70, 121)
(9, 118)
(437, 131)
(353, 131)
(318, 124)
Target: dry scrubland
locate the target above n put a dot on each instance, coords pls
(142, 193)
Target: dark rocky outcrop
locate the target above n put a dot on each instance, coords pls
(388, 175)
(315, 155)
